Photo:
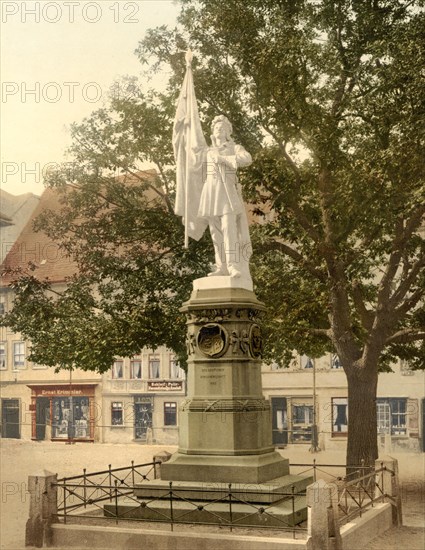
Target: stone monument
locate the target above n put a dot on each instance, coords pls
(225, 425)
(225, 428)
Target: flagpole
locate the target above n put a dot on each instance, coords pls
(189, 57)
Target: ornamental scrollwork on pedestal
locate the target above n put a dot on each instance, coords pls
(190, 343)
(211, 315)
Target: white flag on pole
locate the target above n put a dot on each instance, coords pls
(189, 147)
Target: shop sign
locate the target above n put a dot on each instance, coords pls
(167, 385)
(65, 392)
(62, 390)
(143, 399)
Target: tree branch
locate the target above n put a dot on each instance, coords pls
(366, 316)
(298, 258)
(405, 336)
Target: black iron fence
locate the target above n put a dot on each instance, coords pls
(110, 495)
(76, 493)
(357, 491)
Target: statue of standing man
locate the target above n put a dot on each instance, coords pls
(208, 191)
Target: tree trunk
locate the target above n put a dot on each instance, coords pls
(362, 446)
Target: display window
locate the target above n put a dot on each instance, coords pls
(62, 413)
(70, 418)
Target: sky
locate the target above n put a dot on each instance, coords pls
(58, 61)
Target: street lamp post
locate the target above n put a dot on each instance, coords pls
(314, 435)
(70, 440)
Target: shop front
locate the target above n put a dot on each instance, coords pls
(63, 412)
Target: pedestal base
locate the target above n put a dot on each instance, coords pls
(258, 468)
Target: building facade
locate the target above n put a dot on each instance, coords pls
(312, 395)
(141, 397)
(137, 400)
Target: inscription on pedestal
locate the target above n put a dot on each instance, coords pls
(212, 374)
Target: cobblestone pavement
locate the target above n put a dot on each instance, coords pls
(19, 458)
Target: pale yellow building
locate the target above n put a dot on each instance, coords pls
(314, 391)
(137, 400)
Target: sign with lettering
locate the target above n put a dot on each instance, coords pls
(62, 390)
(167, 385)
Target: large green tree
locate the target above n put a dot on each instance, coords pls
(328, 96)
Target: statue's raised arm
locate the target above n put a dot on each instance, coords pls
(208, 191)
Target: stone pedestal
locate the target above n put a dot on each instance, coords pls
(225, 425)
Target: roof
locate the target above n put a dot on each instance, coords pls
(15, 211)
(36, 248)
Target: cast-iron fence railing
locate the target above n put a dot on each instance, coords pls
(84, 497)
(359, 490)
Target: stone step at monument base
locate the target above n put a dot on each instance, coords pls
(273, 491)
(283, 514)
(210, 468)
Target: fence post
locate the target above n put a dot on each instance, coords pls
(323, 525)
(160, 457)
(43, 509)
(390, 484)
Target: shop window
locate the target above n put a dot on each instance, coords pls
(3, 356)
(117, 418)
(302, 422)
(136, 368)
(339, 416)
(154, 366)
(175, 370)
(118, 370)
(335, 362)
(70, 418)
(392, 416)
(306, 362)
(170, 414)
(18, 355)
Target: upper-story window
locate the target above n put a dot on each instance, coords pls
(154, 366)
(136, 368)
(405, 368)
(335, 362)
(306, 362)
(18, 355)
(175, 370)
(118, 369)
(3, 356)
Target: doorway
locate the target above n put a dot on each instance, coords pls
(142, 420)
(279, 421)
(11, 427)
(42, 417)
